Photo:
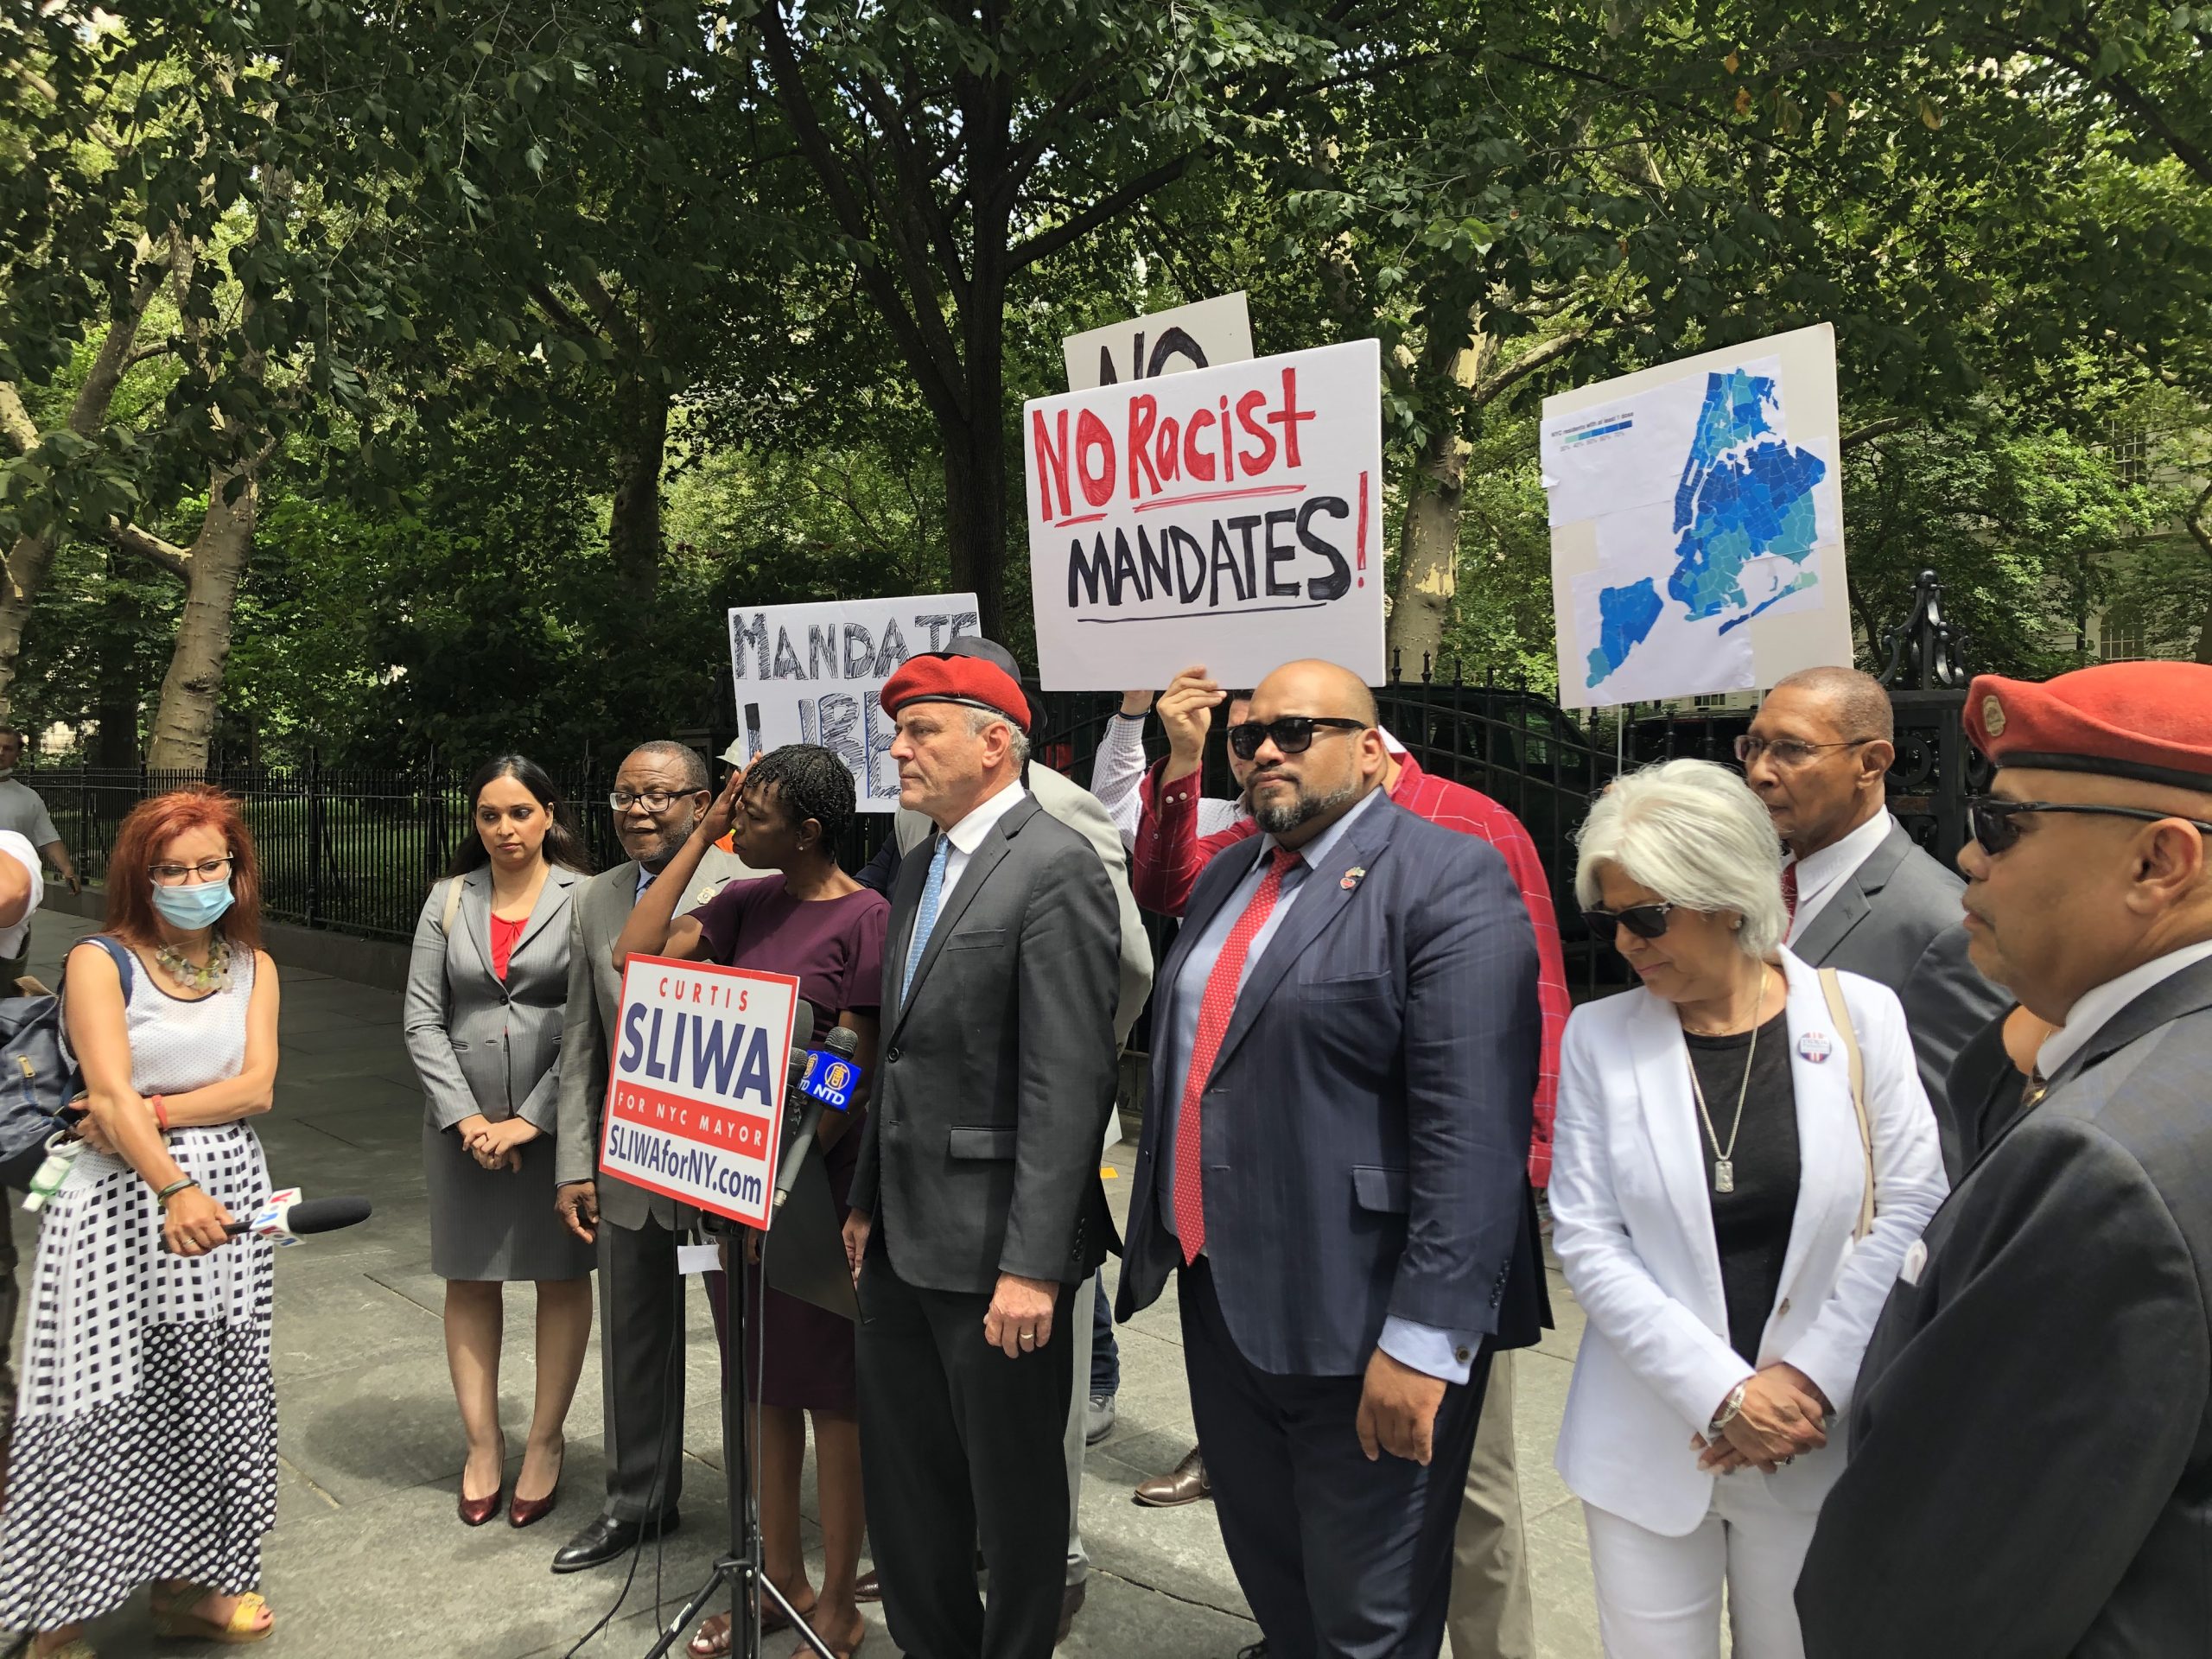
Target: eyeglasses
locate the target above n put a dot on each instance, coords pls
(175, 875)
(1293, 733)
(1789, 751)
(655, 801)
(1645, 921)
(1990, 819)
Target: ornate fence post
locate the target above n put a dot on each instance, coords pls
(1926, 677)
(315, 838)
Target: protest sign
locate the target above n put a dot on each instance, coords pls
(1697, 523)
(812, 673)
(1200, 336)
(695, 1090)
(1232, 517)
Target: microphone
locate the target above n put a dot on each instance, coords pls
(288, 1218)
(831, 1075)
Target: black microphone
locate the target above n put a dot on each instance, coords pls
(287, 1219)
(842, 1043)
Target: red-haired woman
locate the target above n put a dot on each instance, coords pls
(145, 1442)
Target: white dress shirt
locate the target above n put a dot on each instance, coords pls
(1118, 780)
(2095, 1006)
(968, 835)
(1821, 875)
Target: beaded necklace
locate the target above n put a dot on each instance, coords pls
(215, 977)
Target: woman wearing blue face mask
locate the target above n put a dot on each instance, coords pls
(144, 1450)
(487, 992)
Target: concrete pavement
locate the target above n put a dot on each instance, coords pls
(368, 1558)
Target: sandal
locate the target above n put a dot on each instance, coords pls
(179, 1619)
(715, 1646)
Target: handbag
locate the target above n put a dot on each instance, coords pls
(1839, 1011)
(39, 1077)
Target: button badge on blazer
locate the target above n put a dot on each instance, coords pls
(1815, 1046)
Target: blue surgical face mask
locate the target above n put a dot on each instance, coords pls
(201, 905)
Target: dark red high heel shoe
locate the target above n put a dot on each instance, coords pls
(529, 1511)
(475, 1511)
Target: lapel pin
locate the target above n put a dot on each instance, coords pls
(1815, 1046)
(705, 893)
(1352, 877)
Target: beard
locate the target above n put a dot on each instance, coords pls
(1280, 817)
(663, 845)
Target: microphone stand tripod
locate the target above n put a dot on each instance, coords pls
(740, 1567)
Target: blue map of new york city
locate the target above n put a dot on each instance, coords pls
(1745, 493)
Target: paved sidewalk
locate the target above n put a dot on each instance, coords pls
(368, 1557)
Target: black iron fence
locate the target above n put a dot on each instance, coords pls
(356, 850)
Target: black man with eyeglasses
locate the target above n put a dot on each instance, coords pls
(1862, 897)
(2031, 1468)
(661, 791)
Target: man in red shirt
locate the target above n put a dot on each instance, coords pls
(1491, 1603)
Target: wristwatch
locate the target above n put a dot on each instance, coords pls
(1730, 1409)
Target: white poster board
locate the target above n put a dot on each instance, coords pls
(811, 674)
(694, 1087)
(1232, 517)
(1697, 523)
(1199, 336)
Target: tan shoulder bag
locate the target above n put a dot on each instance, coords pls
(1839, 1011)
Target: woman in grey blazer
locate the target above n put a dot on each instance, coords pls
(487, 992)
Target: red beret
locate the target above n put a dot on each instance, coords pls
(972, 681)
(2150, 722)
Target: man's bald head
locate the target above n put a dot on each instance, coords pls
(1855, 702)
(1315, 687)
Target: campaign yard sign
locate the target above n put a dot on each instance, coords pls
(695, 1092)
(1229, 516)
(812, 673)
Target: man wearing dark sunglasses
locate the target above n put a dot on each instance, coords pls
(2030, 1465)
(1346, 1050)
(1492, 1610)
(1862, 895)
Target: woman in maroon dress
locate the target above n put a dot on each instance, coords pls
(815, 922)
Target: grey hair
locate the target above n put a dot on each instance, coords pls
(686, 758)
(1017, 740)
(1695, 835)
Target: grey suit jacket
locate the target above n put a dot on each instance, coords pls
(1897, 921)
(2031, 1470)
(479, 1044)
(980, 1155)
(1086, 814)
(595, 992)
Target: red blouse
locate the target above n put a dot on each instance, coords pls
(505, 937)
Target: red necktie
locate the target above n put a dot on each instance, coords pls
(1789, 888)
(1214, 1010)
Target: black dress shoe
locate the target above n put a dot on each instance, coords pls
(607, 1539)
(1070, 1604)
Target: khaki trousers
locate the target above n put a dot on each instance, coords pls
(1491, 1615)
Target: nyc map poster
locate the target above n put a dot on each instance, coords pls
(1697, 523)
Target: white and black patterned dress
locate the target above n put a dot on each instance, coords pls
(145, 1442)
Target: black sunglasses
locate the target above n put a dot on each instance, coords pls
(1645, 921)
(1293, 733)
(1989, 819)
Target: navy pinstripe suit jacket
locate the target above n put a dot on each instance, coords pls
(1364, 1132)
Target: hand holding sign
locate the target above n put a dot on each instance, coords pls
(1186, 710)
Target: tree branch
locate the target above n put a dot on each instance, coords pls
(1873, 429)
(1526, 365)
(15, 420)
(144, 544)
(1045, 244)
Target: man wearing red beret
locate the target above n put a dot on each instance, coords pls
(976, 1206)
(2030, 1441)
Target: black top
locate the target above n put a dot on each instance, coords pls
(1750, 1224)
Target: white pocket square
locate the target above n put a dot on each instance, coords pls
(1916, 1259)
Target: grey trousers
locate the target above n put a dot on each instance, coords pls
(1078, 1420)
(641, 1368)
(1491, 1615)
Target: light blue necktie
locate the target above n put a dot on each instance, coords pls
(925, 918)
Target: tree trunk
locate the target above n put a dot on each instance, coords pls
(633, 530)
(1428, 538)
(27, 562)
(975, 463)
(2201, 535)
(193, 688)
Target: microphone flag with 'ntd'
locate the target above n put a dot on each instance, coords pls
(695, 1092)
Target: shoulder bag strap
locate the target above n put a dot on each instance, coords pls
(452, 906)
(1840, 1011)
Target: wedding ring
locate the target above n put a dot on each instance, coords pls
(1028, 1335)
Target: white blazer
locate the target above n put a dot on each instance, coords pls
(1632, 1221)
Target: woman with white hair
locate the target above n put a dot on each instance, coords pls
(1744, 1159)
